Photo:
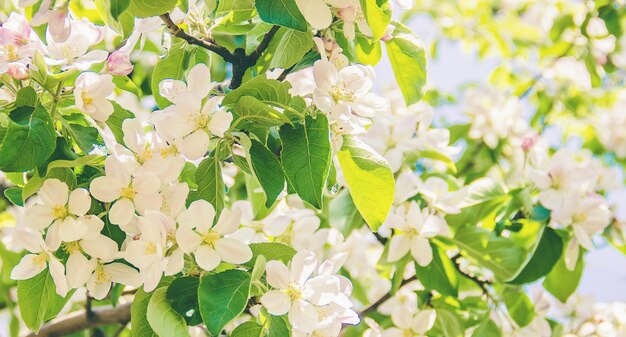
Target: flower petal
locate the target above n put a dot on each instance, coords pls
(79, 202)
(207, 258)
(277, 274)
(303, 316)
(276, 302)
(122, 212)
(54, 192)
(233, 251)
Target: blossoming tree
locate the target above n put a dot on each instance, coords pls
(184, 168)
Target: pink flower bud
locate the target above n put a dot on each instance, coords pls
(18, 71)
(119, 64)
(59, 26)
(529, 141)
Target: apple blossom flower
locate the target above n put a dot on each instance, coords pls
(40, 257)
(73, 53)
(408, 324)
(91, 92)
(118, 63)
(494, 116)
(61, 211)
(296, 293)
(128, 193)
(562, 176)
(437, 193)
(345, 94)
(414, 226)
(150, 153)
(254, 231)
(148, 251)
(198, 83)
(317, 12)
(196, 234)
(189, 124)
(587, 215)
(17, 46)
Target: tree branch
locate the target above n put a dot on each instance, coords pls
(483, 284)
(78, 321)
(243, 62)
(180, 33)
(382, 300)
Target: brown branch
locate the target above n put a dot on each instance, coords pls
(382, 300)
(78, 321)
(242, 62)
(180, 33)
(483, 284)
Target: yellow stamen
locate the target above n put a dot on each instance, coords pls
(128, 192)
(210, 238)
(59, 212)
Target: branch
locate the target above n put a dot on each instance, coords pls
(382, 300)
(481, 283)
(78, 321)
(180, 33)
(242, 62)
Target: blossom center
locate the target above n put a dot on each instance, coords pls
(128, 192)
(168, 151)
(144, 155)
(210, 238)
(11, 52)
(59, 212)
(40, 260)
(201, 121)
(293, 292)
(71, 247)
(340, 93)
(87, 100)
(101, 275)
(150, 248)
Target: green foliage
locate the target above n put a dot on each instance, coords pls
(183, 295)
(163, 319)
(116, 119)
(27, 141)
(306, 157)
(271, 251)
(147, 8)
(38, 300)
(281, 12)
(562, 282)
(440, 275)
(519, 306)
(497, 253)
(222, 297)
(408, 61)
(369, 179)
(179, 58)
(139, 311)
(210, 183)
(545, 255)
(248, 329)
(288, 47)
(378, 15)
(267, 171)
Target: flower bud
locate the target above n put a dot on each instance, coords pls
(119, 64)
(18, 71)
(59, 26)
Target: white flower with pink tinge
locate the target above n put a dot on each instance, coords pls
(91, 92)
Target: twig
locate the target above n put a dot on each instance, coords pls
(180, 33)
(242, 62)
(381, 300)
(78, 321)
(483, 284)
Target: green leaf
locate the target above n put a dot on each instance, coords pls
(14, 194)
(271, 251)
(138, 312)
(235, 5)
(562, 282)
(378, 15)
(210, 183)
(408, 61)
(370, 180)
(116, 119)
(27, 96)
(250, 112)
(164, 320)
(306, 157)
(366, 52)
(440, 274)
(267, 170)
(288, 47)
(343, 213)
(487, 329)
(183, 294)
(86, 137)
(29, 140)
(38, 300)
(281, 12)
(499, 254)
(222, 297)
(248, 329)
(519, 306)
(147, 8)
(172, 66)
(448, 324)
(261, 88)
(117, 7)
(546, 254)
